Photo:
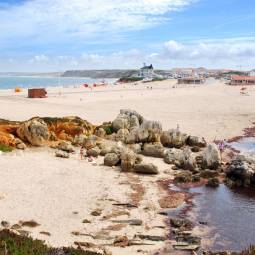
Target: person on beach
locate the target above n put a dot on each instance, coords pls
(82, 153)
(222, 146)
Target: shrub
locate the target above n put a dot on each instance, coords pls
(5, 148)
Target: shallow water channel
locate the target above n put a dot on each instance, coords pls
(226, 216)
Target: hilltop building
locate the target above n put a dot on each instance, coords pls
(146, 71)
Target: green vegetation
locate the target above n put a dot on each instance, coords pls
(5, 148)
(108, 129)
(158, 79)
(12, 244)
(130, 79)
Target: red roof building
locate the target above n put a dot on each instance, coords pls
(242, 80)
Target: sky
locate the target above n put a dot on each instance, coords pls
(58, 35)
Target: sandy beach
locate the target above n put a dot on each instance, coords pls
(60, 194)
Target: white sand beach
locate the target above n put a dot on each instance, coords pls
(59, 194)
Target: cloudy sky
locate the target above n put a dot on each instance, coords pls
(55, 35)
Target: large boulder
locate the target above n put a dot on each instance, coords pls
(196, 141)
(154, 150)
(242, 171)
(121, 122)
(131, 113)
(173, 138)
(34, 131)
(211, 157)
(66, 146)
(174, 157)
(111, 159)
(93, 152)
(62, 154)
(146, 169)
(128, 160)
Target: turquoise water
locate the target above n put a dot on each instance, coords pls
(8, 82)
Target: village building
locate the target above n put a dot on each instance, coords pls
(191, 80)
(37, 93)
(242, 80)
(146, 71)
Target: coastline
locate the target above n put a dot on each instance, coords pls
(169, 105)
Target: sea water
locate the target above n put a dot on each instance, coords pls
(9, 82)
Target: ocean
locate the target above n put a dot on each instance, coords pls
(9, 82)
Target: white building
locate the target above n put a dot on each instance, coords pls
(146, 71)
(252, 73)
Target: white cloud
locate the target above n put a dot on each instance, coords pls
(234, 51)
(53, 21)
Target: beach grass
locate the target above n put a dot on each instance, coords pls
(5, 148)
(13, 244)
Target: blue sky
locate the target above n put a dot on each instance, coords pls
(54, 35)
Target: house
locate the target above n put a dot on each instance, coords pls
(251, 73)
(242, 80)
(37, 93)
(146, 71)
(191, 80)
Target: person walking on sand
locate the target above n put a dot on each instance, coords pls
(82, 153)
(222, 146)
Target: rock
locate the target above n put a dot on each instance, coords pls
(128, 160)
(208, 173)
(136, 148)
(96, 212)
(111, 159)
(189, 160)
(196, 141)
(121, 122)
(100, 132)
(121, 241)
(93, 152)
(173, 139)
(152, 238)
(133, 222)
(34, 131)
(153, 150)
(142, 135)
(79, 139)
(5, 224)
(241, 171)
(62, 154)
(183, 177)
(66, 146)
(19, 144)
(146, 169)
(134, 122)
(122, 135)
(154, 126)
(180, 223)
(211, 157)
(213, 183)
(174, 157)
(90, 142)
(131, 113)
(85, 221)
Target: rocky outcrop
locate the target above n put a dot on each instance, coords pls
(211, 157)
(34, 131)
(241, 171)
(173, 139)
